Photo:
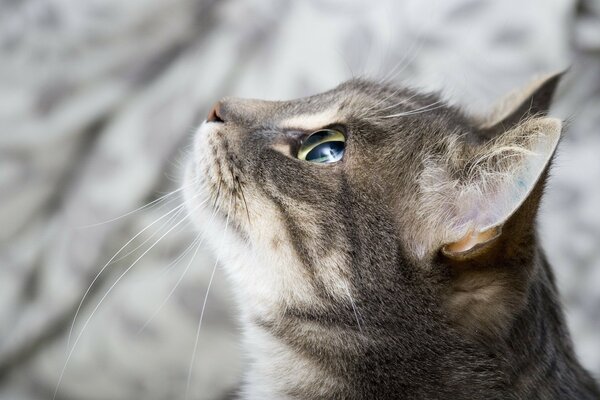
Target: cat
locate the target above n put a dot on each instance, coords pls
(382, 244)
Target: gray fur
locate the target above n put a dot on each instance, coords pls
(351, 310)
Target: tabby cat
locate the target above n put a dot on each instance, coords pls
(382, 244)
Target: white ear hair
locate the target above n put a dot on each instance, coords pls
(505, 172)
(497, 178)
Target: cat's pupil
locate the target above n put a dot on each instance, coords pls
(324, 146)
(326, 152)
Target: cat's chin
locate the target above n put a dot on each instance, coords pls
(207, 221)
(215, 229)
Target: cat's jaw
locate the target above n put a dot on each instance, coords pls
(278, 371)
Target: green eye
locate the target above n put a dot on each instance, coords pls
(324, 146)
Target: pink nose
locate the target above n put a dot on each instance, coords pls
(215, 113)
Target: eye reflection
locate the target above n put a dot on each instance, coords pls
(324, 146)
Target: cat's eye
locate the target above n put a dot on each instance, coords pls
(324, 146)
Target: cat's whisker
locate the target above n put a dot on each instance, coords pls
(210, 281)
(166, 269)
(390, 76)
(245, 204)
(197, 242)
(110, 289)
(382, 101)
(354, 309)
(417, 41)
(397, 90)
(403, 101)
(176, 210)
(162, 198)
(239, 189)
(154, 234)
(404, 113)
(424, 110)
(427, 108)
(218, 194)
(345, 60)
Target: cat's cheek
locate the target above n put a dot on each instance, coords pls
(266, 270)
(194, 195)
(202, 138)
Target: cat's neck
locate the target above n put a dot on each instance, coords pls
(535, 360)
(543, 362)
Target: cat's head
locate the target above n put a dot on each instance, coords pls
(374, 197)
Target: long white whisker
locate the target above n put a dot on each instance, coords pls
(104, 297)
(426, 108)
(210, 281)
(171, 218)
(413, 56)
(354, 308)
(199, 242)
(187, 267)
(180, 207)
(149, 238)
(393, 74)
(164, 197)
(173, 263)
(415, 111)
(406, 101)
(397, 90)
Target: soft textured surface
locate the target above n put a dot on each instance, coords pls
(97, 104)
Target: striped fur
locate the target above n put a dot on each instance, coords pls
(344, 290)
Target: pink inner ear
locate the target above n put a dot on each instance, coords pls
(472, 239)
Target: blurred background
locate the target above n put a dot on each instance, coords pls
(98, 101)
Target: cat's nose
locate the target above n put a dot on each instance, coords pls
(237, 111)
(215, 113)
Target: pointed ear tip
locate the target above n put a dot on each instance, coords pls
(553, 126)
(554, 122)
(534, 99)
(552, 79)
(548, 129)
(545, 124)
(558, 73)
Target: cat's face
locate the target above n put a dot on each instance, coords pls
(290, 221)
(354, 194)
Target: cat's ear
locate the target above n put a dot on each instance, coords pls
(497, 177)
(494, 180)
(533, 100)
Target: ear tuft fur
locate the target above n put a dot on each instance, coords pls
(471, 193)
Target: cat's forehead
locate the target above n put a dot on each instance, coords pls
(351, 95)
(312, 120)
(352, 98)
(366, 107)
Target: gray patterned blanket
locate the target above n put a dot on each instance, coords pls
(98, 99)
